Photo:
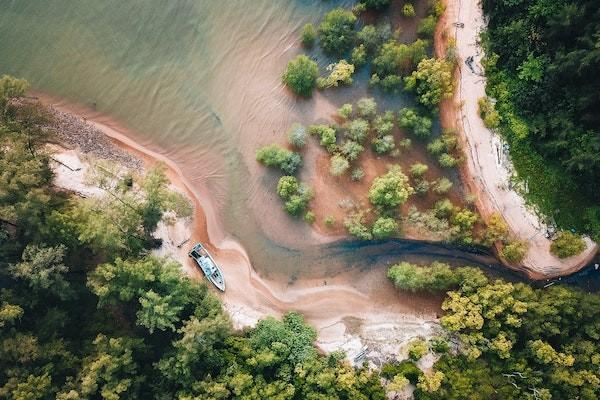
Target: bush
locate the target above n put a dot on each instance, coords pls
(408, 10)
(351, 149)
(367, 107)
(448, 161)
(309, 34)
(355, 224)
(336, 32)
(357, 174)
(372, 37)
(417, 170)
(442, 185)
(390, 189)
(488, 113)
(384, 227)
(287, 186)
(439, 345)
(405, 368)
(341, 72)
(357, 130)
(497, 229)
(329, 221)
(421, 187)
(383, 144)
(417, 349)
(426, 27)
(359, 56)
(301, 75)
(296, 195)
(394, 58)
(416, 124)
(437, 276)
(443, 208)
(297, 135)
(384, 124)
(567, 244)
(345, 111)
(275, 156)
(514, 251)
(465, 219)
(326, 135)
(432, 81)
(436, 146)
(338, 165)
(309, 217)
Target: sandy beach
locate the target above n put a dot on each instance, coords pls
(487, 170)
(350, 310)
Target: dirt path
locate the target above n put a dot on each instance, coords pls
(487, 169)
(349, 311)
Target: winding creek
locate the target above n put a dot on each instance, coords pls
(198, 81)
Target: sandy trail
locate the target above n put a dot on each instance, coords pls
(488, 168)
(350, 310)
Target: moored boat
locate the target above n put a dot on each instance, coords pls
(208, 265)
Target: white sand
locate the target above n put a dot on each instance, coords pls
(487, 164)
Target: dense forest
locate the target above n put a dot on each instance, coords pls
(543, 58)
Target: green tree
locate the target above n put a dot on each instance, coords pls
(338, 165)
(309, 34)
(367, 107)
(356, 225)
(297, 135)
(10, 88)
(287, 186)
(158, 312)
(340, 73)
(390, 189)
(336, 31)
(417, 170)
(301, 75)
(383, 144)
(326, 134)
(275, 156)
(357, 130)
(432, 81)
(514, 251)
(567, 244)
(417, 349)
(408, 10)
(384, 227)
(351, 150)
(419, 125)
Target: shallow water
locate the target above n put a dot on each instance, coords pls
(199, 81)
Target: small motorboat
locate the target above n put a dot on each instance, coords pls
(208, 265)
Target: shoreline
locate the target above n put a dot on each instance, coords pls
(349, 310)
(481, 173)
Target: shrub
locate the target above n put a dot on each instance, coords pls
(372, 37)
(442, 185)
(384, 227)
(405, 368)
(338, 165)
(432, 81)
(275, 156)
(357, 174)
(384, 124)
(390, 189)
(345, 111)
(448, 161)
(410, 119)
(421, 187)
(567, 244)
(497, 229)
(417, 170)
(309, 217)
(357, 130)
(301, 75)
(297, 135)
(355, 224)
(287, 186)
(439, 345)
(367, 107)
(326, 135)
(341, 72)
(309, 34)
(443, 208)
(488, 113)
(514, 251)
(359, 56)
(329, 221)
(408, 10)
(351, 150)
(405, 144)
(426, 27)
(383, 144)
(417, 349)
(336, 32)
(436, 146)
(394, 58)
(465, 219)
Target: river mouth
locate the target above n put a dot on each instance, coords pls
(198, 82)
